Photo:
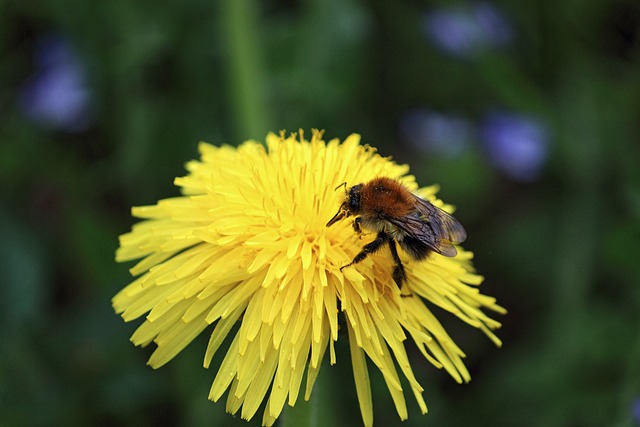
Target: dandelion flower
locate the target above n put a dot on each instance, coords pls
(246, 250)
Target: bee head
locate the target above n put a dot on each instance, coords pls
(351, 205)
(353, 200)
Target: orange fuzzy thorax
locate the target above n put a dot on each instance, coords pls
(386, 197)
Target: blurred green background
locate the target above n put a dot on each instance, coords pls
(527, 113)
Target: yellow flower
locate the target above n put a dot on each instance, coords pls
(247, 245)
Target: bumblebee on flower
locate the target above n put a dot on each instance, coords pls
(248, 243)
(388, 208)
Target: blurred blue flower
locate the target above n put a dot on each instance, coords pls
(57, 95)
(516, 144)
(445, 135)
(635, 409)
(465, 30)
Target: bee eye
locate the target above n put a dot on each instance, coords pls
(354, 198)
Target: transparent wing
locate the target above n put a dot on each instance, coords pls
(433, 227)
(446, 225)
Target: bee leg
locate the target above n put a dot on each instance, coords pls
(369, 248)
(356, 225)
(399, 275)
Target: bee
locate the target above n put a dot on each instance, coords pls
(385, 206)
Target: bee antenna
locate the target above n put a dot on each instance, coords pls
(344, 184)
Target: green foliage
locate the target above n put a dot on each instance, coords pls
(560, 252)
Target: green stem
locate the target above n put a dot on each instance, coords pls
(240, 21)
(303, 414)
(580, 153)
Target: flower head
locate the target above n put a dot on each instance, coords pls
(247, 245)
